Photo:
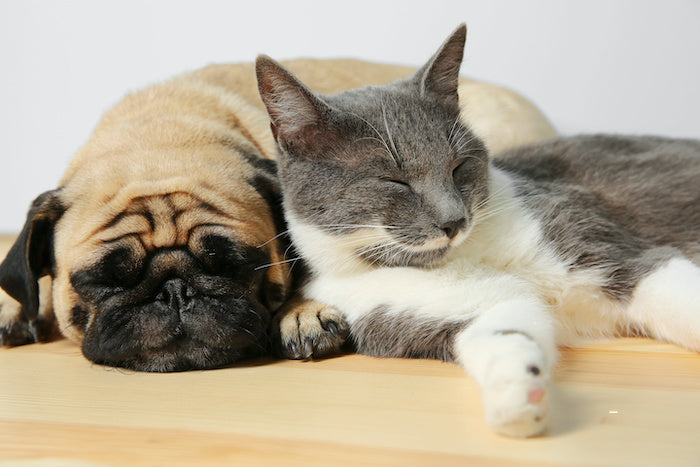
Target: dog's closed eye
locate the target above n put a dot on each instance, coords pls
(223, 257)
(218, 254)
(121, 266)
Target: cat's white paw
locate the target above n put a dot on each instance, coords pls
(516, 389)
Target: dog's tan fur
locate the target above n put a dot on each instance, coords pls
(164, 152)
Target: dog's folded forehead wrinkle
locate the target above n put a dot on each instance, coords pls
(164, 233)
(165, 220)
(130, 192)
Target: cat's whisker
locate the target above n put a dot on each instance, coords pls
(465, 149)
(483, 215)
(364, 242)
(460, 144)
(494, 199)
(291, 245)
(373, 247)
(281, 234)
(372, 138)
(490, 208)
(357, 226)
(380, 136)
(489, 205)
(380, 252)
(396, 257)
(269, 265)
(454, 126)
(393, 251)
(388, 132)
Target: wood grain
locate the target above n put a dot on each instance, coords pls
(627, 402)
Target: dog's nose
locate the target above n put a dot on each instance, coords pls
(176, 293)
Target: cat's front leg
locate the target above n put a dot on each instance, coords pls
(303, 329)
(510, 350)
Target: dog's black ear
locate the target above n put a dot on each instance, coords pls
(31, 257)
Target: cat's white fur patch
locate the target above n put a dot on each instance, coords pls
(333, 254)
(666, 304)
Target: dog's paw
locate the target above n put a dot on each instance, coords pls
(516, 391)
(304, 329)
(16, 330)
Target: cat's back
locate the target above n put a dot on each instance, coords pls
(595, 159)
(630, 172)
(646, 188)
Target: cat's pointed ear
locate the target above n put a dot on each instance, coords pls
(440, 76)
(299, 118)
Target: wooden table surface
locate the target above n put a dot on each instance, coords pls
(630, 402)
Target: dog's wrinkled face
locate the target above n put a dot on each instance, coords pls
(164, 275)
(171, 286)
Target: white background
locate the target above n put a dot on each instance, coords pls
(591, 66)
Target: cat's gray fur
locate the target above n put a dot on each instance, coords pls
(606, 212)
(620, 204)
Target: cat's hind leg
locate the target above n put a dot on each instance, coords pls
(665, 304)
(510, 351)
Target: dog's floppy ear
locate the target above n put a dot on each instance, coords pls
(31, 257)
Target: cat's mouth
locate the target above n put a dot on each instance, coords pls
(401, 257)
(420, 254)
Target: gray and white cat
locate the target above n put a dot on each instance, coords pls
(430, 249)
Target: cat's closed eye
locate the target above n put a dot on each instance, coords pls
(459, 170)
(465, 166)
(397, 182)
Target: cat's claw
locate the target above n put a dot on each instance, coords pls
(305, 329)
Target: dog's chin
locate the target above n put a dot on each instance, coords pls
(212, 333)
(184, 353)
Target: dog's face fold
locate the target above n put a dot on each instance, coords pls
(169, 283)
(198, 306)
(172, 286)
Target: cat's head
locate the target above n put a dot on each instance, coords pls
(389, 174)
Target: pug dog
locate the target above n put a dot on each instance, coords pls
(163, 247)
